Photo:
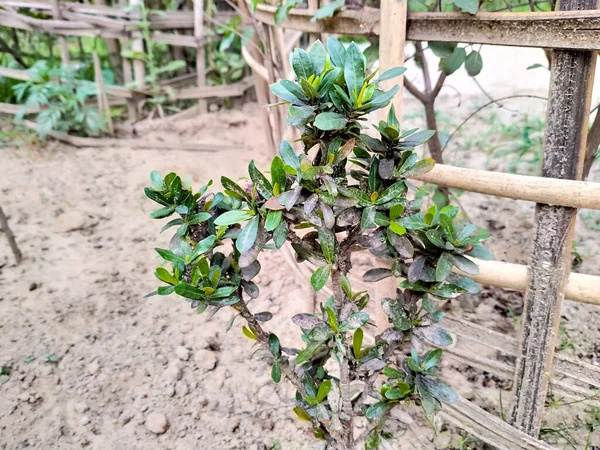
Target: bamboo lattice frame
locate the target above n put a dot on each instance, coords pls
(568, 30)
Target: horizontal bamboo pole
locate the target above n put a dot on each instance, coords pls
(580, 287)
(550, 191)
(557, 29)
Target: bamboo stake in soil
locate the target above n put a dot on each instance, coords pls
(200, 63)
(564, 149)
(103, 106)
(11, 237)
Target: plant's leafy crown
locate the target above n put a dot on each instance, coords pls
(345, 190)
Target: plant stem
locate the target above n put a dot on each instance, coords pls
(10, 236)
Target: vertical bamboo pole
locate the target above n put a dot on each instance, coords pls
(200, 63)
(63, 45)
(313, 6)
(391, 47)
(103, 106)
(128, 75)
(139, 71)
(564, 150)
(114, 52)
(391, 54)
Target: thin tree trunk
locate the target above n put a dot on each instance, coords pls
(435, 146)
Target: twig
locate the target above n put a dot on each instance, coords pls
(414, 91)
(14, 53)
(485, 106)
(11, 237)
(500, 105)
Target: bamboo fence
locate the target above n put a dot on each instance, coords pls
(573, 34)
(120, 24)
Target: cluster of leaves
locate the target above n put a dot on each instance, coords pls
(225, 64)
(61, 97)
(452, 57)
(285, 6)
(346, 191)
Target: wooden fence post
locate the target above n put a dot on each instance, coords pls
(128, 74)
(391, 54)
(63, 45)
(200, 63)
(139, 70)
(564, 148)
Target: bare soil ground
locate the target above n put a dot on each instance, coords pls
(93, 364)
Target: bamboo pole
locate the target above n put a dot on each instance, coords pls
(103, 106)
(63, 45)
(200, 55)
(550, 191)
(391, 47)
(579, 287)
(391, 54)
(139, 70)
(571, 85)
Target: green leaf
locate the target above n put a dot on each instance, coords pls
(470, 6)
(474, 64)
(261, 183)
(394, 394)
(278, 176)
(248, 333)
(354, 69)
(433, 335)
(442, 49)
(189, 291)
(443, 267)
(282, 11)
(168, 255)
(390, 372)
(156, 196)
(377, 410)
(337, 52)
(368, 218)
(465, 264)
(320, 277)
(288, 155)
(327, 241)
(171, 223)
(274, 345)
(273, 220)
(453, 62)
(418, 138)
(302, 64)
(328, 10)
(280, 234)
(431, 358)
(356, 320)
(231, 217)
(357, 341)
(231, 185)
(203, 246)
(391, 193)
(447, 226)
(372, 440)
(330, 121)
(391, 73)
(326, 84)
(302, 414)
(284, 94)
(318, 55)
(324, 389)
(308, 352)
(247, 236)
(164, 275)
(421, 167)
(276, 371)
(162, 212)
(157, 180)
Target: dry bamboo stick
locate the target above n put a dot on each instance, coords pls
(139, 70)
(550, 191)
(200, 55)
(63, 45)
(103, 106)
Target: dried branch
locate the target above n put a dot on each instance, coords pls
(10, 236)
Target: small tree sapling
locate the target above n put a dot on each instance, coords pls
(345, 192)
